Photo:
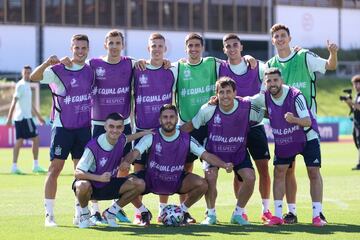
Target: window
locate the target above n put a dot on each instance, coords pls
(105, 13)
(227, 16)
(256, 19)
(198, 15)
(242, 18)
(72, 12)
(183, 15)
(152, 13)
(213, 15)
(14, 11)
(53, 11)
(168, 13)
(32, 11)
(88, 12)
(137, 13)
(1, 10)
(120, 13)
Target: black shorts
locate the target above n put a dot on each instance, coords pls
(141, 175)
(99, 129)
(65, 141)
(25, 129)
(311, 154)
(244, 164)
(257, 143)
(108, 192)
(200, 135)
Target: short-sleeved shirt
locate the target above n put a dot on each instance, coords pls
(146, 142)
(87, 161)
(300, 105)
(49, 77)
(23, 105)
(207, 111)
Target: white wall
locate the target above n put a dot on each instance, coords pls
(17, 47)
(350, 33)
(309, 27)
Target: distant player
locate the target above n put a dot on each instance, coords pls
(71, 130)
(248, 83)
(153, 87)
(96, 172)
(298, 69)
(227, 121)
(165, 168)
(295, 132)
(24, 125)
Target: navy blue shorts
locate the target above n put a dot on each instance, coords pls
(65, 141)
(25, 129)
(200, 135)
(244, 164)
(108, 192)
(141, 175)
(311, 154)
(257, 143)
(99, 129)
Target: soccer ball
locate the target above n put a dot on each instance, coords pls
(172, 215)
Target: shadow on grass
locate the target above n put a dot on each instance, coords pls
(227, 229)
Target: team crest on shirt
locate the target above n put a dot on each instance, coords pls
(217, 119)
(143, 79)
(158, 148)
(100, 72)
(187, 74)
(58, 150)
(74, 82)
(103, 161)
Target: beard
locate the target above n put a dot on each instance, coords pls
(275, 90)
(168, 129)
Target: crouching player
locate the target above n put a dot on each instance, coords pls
(97, 170)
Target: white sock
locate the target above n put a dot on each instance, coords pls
(49, 206)
(211, 211)
(265, 205)
(84, 210)
(239, 210)
(137, 211)
(142, 208)
(317, 209)
(278, 208)
(114, 209)
(183, 207)
(77, 208)
(14, 166)
(161, 207)
(36, 163)
(292, 208)
(94, 207)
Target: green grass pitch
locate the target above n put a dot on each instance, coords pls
(22, 213)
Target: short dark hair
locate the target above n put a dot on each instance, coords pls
(115, 116)
(355, 78)
(278, 26)
(224, 82)
(272, 70)
(168, 107)
(193, 35)
(114, 33)
(27, 67)
(80, 37)
(230, 36)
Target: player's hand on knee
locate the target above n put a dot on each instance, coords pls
(229, 167)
